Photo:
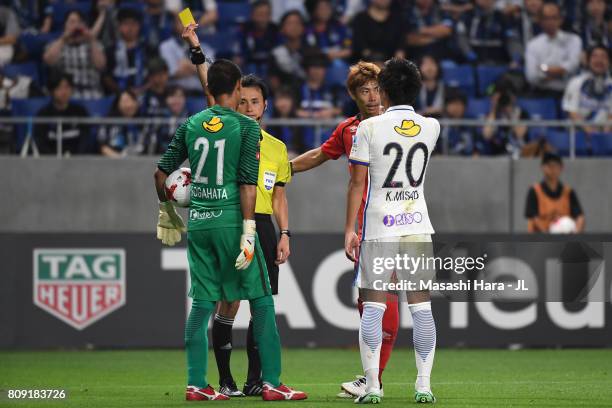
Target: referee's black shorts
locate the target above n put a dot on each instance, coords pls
(268, 241)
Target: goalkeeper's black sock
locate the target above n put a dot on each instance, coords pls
(254, 373)
(222, 344)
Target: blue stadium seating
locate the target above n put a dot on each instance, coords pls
(97, 107)
(478, 107)
(460, 76)
(233, 12)
(539, 108)
(337, 73)
(34, 44)
(560, 139)
(487, 75)
(195, 104)
(601, 144)
(29, 69)
(223, 42)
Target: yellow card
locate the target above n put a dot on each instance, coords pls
(186, 17)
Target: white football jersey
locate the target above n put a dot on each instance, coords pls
(396, 146)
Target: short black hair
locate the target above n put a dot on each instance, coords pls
(56, 78)
(259, 3)
(455, 95)
(549, 157)
(400, 80)
(253, 81)
(289, 14)
(597, 46)
(77, 12)
(222, 77)
(174, 89)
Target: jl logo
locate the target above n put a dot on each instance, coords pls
(79, 286)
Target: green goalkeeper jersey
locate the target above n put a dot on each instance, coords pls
(222, 146)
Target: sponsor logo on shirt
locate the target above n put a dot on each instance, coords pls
(402, 219)
(213, 125)
(204, 215)
(408, 128)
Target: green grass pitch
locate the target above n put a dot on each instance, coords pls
(461, 378)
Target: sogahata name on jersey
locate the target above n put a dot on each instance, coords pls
(396, 146)
(208, 193)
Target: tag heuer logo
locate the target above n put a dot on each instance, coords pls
(79, 286)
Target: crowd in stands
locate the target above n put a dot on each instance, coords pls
(480, 59)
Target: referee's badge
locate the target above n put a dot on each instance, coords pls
(269, 177)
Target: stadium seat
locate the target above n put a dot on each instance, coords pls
(34, 44)
(97, 107)
(487, 75)
(195, 104)
(224, 43)
(539, 108)
(601, 144)
(478, 107)
(28, 69)
(337, 73)
(560, 139)
(460, 76)
(234, 12)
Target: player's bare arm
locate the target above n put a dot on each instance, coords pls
(160, 181)
(280, 209)
(359, 174)
(309, 160)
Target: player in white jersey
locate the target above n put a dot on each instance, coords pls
(392, 151)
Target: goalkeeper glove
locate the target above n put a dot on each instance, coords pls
(169, 224)
(247, 244)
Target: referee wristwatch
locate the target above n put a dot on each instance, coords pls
(285, 232)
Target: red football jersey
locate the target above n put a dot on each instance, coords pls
(340, 143)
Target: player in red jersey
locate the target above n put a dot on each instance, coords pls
(362, 86)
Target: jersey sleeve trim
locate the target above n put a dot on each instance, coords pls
(359, 161)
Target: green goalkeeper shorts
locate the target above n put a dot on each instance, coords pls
(212, 255)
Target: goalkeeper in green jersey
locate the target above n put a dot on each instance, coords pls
(225, 260)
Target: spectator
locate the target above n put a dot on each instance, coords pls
(119, 140)
(595, 27)
(429, 30)
(286, 63)
(158, 23)
(505, 139)
(9, 32)
(175, 52)
(430, 101)
(326, 33)
(550, 199)
(75, 138)
(524, 27)
(456, 140)
(78, 53)
(285, 108)
(17, 87)
(377, 30)
(482, 34)
(154, 98)
(127, 59)
(258, 36)
(588, 96)
(105, 25)
(553, 56)
(318, 100)
(176, 102)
